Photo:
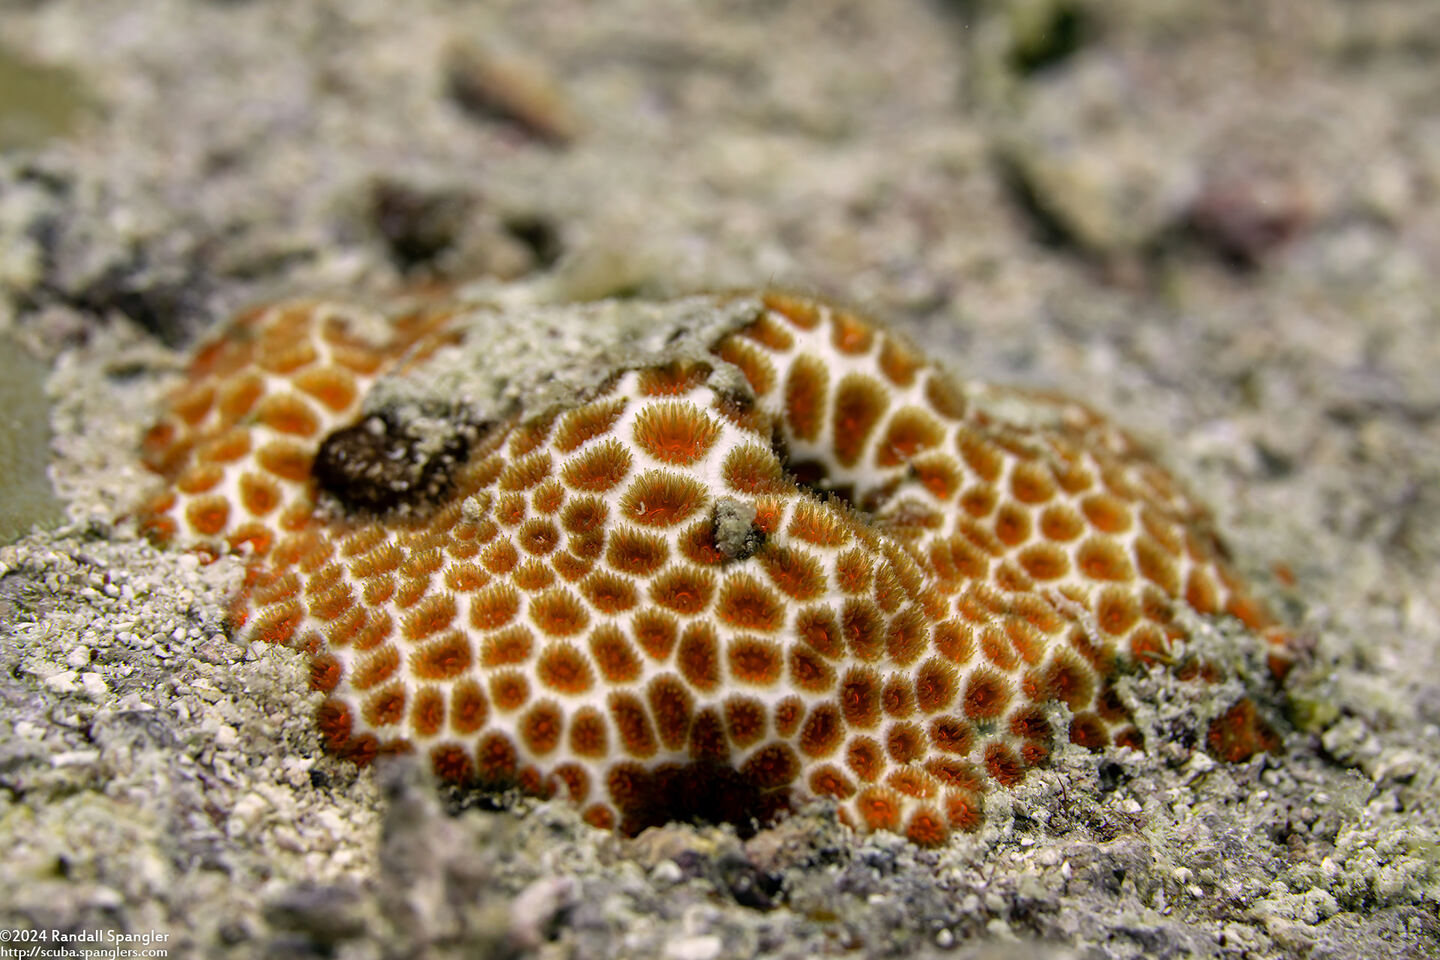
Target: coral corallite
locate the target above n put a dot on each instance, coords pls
(681, 596)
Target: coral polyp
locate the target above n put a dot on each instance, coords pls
(834, 574)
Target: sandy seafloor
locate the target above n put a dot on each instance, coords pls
(1218, 221)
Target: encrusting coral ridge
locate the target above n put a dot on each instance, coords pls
(691, 593)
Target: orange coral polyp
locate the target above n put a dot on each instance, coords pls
(575, 615)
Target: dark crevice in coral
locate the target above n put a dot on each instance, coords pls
(382, 466)
(811, 476)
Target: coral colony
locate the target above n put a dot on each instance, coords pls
(693, 594)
